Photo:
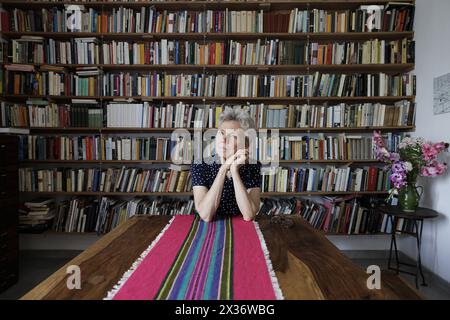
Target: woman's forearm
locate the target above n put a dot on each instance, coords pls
(245, 204)
(211, 201)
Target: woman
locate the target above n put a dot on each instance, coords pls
(228, 185)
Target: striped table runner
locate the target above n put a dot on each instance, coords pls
(194, 260)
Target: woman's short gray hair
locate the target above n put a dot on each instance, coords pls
(239, 115)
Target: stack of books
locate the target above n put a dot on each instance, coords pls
(36, 215)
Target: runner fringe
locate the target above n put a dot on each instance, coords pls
(273, 277)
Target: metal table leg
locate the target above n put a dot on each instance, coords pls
(393, 245)
(418, 224)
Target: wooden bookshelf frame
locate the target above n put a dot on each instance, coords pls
(254, 69)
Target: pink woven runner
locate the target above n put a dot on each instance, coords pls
(194, 260)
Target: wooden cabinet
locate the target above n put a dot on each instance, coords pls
(9, 203)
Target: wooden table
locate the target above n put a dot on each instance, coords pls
(307, 265)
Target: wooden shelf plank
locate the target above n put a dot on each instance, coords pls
(278, 69)
(297, 100)
(263, 194)
(43, 130)
(312, 36)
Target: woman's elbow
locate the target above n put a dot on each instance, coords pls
(206, 216)
(207, 219)
(249, 217)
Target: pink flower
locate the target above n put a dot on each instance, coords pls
(430, 151)
(434, 169)
(440, 146)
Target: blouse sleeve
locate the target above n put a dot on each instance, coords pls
(253, 176)
(198, 174)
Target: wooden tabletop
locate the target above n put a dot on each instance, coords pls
(307, 264)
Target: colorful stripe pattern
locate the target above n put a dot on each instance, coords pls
(195, 260)
(202, 269)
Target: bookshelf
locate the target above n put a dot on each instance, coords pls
(314, 34)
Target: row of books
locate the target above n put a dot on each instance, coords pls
(251, 85)
(340, 147)
(376, 51)
(101, 216)
(342, 115)
(52, 80)
(393, 17)
(86, 81)
(324, 179)
(265, 148)
(401, 113)
(335, 215)
(162, 84)
(122, 179)
(35, 49)
(41, 113)
(145, 19)
(38, 50)
(33, 147)
(146, 115)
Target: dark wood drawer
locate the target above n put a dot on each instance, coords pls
(9, 150)
(9, 242)
(8, 274)
(9, 183)
(9, 213)
(9, 260)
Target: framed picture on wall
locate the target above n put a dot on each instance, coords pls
(441, 94)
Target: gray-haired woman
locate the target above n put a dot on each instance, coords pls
(230, 185)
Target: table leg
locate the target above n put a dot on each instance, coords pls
(393, 244)
(419, 230)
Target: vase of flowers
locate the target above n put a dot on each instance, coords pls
(415, 157)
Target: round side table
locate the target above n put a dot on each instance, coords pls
(394, 213)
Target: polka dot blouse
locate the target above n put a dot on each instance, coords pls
(204, 174)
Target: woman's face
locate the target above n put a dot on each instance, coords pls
(229, 139)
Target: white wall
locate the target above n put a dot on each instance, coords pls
(432, 35)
